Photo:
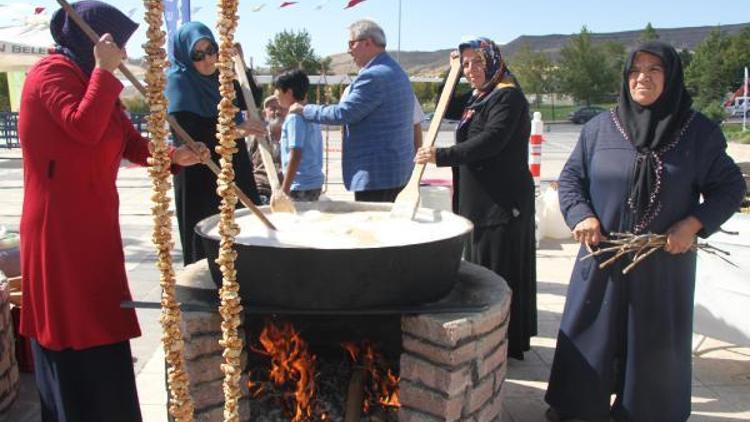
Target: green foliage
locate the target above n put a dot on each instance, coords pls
(586, 70)
(686, 57)
(705, 77)
(714, 111)
(292, 50)
(426, 93)
(733, 132)
(534, 71)
(4, 95)
(648, 34)
(736, 57)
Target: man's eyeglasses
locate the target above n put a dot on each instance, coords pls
(199, 55)
(352, 42)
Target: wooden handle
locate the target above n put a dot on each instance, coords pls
(407, 201)
(181, 133)
(263, 142)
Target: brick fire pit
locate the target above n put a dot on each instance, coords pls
(452, 366)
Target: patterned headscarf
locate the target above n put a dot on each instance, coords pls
(103, 18)
(495, 69)
(496, 74)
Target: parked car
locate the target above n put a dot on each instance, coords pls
(584, 114)
(737, 109)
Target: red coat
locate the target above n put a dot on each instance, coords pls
(74, 134)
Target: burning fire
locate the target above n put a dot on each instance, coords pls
(382, 385)
(291, 364)
(293, 367)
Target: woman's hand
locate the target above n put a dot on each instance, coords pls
(425, 155)
(681, 236)
(186, 156)
(588, 232)
(107, 54)
(251, 127)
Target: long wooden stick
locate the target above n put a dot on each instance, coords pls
(94, 37)
(279, 203)
(406, 202)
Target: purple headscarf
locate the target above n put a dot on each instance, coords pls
(103, 18)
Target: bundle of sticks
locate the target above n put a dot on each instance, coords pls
(641, 246)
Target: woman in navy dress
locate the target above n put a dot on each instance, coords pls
(640, 168)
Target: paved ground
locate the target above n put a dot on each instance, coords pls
(721, 380)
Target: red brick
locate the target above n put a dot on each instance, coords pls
(443, 329)
(491, 340)
(492, 410)
(478, 395)
(441, 355)
(424, 400)
(451, 382)
(407, 415)
(500, 374)
(492, 318)
(197, 346)
(490, 362)
(194, 323)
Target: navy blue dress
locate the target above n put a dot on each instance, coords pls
(631, 334)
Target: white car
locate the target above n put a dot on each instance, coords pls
(736, 109)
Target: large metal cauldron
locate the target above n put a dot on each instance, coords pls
(341, 279)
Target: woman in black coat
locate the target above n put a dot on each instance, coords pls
(640, 168)
(193, 94)
(492, 185)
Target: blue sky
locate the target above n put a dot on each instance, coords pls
(430, 25)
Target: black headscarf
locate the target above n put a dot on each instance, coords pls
(653, 128)
(103, 18)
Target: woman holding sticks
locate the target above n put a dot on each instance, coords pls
(640, 168)
(492, 184)
(193, 94)
(75, 134)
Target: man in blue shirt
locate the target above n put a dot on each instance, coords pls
(301, 142)
(377, 117)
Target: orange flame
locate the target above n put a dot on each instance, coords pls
(382, 388)
(291, 362)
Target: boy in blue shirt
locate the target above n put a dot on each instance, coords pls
(301, 141)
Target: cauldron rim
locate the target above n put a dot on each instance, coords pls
(203, 227)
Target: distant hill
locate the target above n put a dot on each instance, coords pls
(432, 63)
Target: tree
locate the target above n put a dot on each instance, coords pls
(584, 69)
(533, 70)
(292, 50)
(615, 56)
(648, 34)
(705, 77)
(736, 57)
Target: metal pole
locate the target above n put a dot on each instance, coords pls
(398, 51)
(744, 103)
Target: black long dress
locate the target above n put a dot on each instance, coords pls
(631, 334)
(493, 188)
(195, 186)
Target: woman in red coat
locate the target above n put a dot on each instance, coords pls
(74, 133)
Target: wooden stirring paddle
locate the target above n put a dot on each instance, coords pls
(407, 200)
(280, 202)
(181, 133)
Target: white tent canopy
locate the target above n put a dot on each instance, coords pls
(20, 48)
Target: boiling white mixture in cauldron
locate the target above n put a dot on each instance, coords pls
(347, 230)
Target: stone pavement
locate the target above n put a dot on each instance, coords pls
(721, 378)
